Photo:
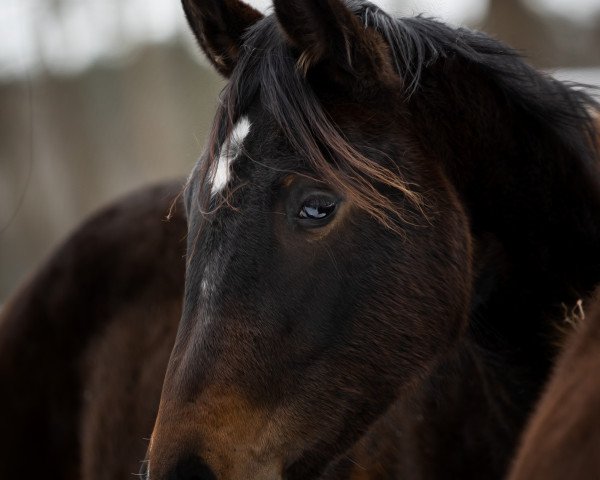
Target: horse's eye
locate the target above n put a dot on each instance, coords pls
(317, 208)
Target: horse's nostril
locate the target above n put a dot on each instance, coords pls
(192, 468)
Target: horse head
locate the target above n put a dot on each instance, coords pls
(332, 226)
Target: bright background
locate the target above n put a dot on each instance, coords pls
(100, 96)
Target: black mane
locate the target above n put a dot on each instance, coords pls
(269, 67)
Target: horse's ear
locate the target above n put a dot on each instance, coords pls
(219, 26)
(327, 32)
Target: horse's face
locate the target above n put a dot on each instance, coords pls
(305, 316)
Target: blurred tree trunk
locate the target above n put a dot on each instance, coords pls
(91, 137)
(521, 28)
(547, 41)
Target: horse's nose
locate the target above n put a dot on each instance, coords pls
(191, 468)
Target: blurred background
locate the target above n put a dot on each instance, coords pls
(98, 97)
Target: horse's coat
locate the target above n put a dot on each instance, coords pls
(372, 294)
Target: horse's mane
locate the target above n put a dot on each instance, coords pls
(268, 67)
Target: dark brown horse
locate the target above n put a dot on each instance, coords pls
(381, 235)
(562, 439)
(85, 342)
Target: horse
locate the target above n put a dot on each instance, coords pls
(84, 343)
(382, 234)
(561, 438)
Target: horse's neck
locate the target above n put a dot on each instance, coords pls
(527, 182)
(462, 422)
(466, 420)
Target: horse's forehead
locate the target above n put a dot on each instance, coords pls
(255, 146)
(230, 152)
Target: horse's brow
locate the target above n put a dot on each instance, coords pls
(230, 151)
